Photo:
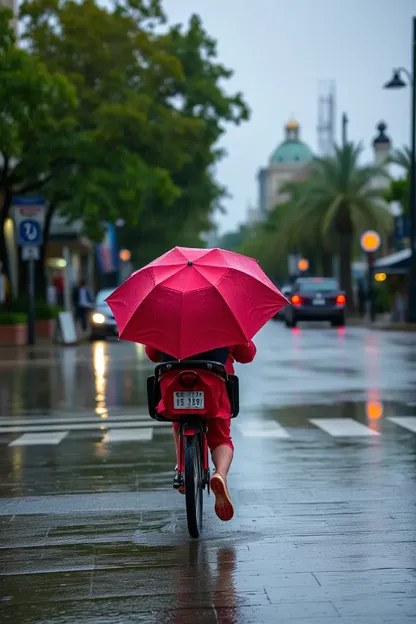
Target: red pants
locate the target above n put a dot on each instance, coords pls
(218, 434)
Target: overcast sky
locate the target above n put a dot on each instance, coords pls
(280, 50)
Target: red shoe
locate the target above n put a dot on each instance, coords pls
(223, 505)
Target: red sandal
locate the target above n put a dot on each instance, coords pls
(223, 505)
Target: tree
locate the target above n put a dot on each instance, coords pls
(399, 190)
(154, 101)
(37, 122)
(340, 201)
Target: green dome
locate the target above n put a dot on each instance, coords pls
(291, 152)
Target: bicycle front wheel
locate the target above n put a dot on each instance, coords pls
(194, 485)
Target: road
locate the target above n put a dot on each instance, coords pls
(324, 485)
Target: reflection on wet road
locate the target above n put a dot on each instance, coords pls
(324, 484)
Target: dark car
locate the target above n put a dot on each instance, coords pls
(285, 290)
(316, 299)
(102, 321)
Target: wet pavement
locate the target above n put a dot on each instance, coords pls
(324, 485)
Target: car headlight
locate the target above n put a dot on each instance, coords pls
(98, 318)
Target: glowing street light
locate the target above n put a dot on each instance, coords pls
(303, 265)
(370, 242)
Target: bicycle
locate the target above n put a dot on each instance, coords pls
(190, 401)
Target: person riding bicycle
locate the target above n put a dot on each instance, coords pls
(219, 429)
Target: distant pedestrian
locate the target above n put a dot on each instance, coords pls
(84, 303)
(58, 283)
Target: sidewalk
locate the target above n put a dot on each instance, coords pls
(382, 322)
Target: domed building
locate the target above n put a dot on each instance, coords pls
(289, 161)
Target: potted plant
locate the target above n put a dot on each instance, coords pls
(45, 315)
(13, 328)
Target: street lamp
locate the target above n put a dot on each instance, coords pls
(370, 242)
(398, 83)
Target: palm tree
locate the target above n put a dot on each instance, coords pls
(403, 158)
(340, 201)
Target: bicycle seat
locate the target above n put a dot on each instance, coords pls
(206, 365)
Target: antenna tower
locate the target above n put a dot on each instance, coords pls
(326, 117)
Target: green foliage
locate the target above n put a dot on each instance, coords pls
(37, 117)
(399, 191)
(43, 311)
(10, 318)
(382, 297)
(232, 241)
(336, 205)
(37, 123)
(151, 109)
(325, 214)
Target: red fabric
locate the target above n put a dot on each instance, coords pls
(218, 433)
(193, 300)
(218, 403)
(244, 353)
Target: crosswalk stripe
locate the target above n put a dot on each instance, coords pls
(102, 426)
(129, 435)
(31, 439)
(342, 427)
(75, 419)
(262, 429)
(407, 422)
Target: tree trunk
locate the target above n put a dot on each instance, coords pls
(4, 260)
(326, 264)
(345, 250)
(5, 201)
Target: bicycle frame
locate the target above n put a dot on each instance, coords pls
(189, 428)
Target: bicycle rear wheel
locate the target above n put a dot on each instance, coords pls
(194, 485)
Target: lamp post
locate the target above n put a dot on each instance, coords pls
(398, 83)
(370, 242)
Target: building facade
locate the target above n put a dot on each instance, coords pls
(288, 162)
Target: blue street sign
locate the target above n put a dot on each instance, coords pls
(29, 233)
(29, 218)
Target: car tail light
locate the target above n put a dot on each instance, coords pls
(341, 300)
(296, 300)
(188, 379)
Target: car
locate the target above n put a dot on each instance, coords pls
(285, 290)
(102, 322)
(316, 299)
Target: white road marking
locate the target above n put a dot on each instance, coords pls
(75, 419)
(102, 426)
(343, 427)
(407, 422)
(262, 429)
(129, 435)
(31, 439)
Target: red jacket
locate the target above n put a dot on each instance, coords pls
(243, 353)
(239, 353)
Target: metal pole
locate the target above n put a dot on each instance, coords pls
(344, 129)
(370, 263)
(31, 308)
(67, 280)
(411, 302)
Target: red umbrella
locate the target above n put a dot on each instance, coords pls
(192, 300)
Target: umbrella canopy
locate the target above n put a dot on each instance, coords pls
(192, 300)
